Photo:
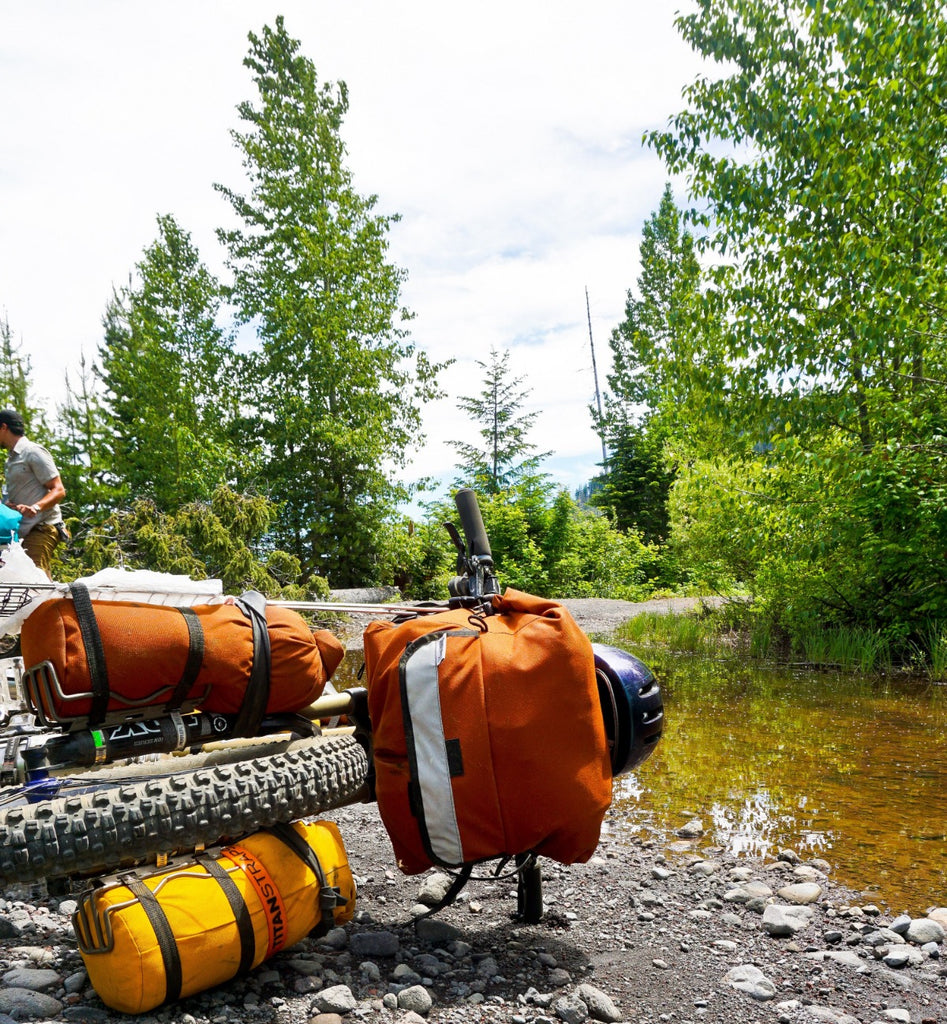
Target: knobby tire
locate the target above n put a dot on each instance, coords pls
(147, 810)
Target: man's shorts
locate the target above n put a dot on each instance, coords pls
(40, 543)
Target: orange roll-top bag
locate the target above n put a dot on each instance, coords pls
(96, 661)
(488, 734)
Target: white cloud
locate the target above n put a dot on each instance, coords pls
(507, 135)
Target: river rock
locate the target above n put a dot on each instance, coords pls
(779, 921)
(694, 829)
(801, 893)
(599, 1005)
(903, 956)
(883, 937)
(924, 929)
(900, 924)
(434, 888)
(415, 999)
(571, 1009)
(336, 999)
(38, 979)
(939, 914)
(748, 978)
(25, 1004)
(372, 944)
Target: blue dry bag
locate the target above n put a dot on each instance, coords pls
(9, 524)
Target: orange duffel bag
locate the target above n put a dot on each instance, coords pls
(488, 735)
(93, 662)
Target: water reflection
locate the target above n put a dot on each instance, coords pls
(854, 771)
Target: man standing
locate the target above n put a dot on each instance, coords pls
(32, 486)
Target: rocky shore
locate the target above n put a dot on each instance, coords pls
(652, 929)
(648, 930)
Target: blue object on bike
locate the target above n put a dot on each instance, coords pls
(9, 524)
(632, 706)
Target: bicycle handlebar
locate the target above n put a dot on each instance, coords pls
(472, 523)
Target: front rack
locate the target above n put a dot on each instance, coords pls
(14, 595)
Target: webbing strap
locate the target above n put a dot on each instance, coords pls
(460, 880)
(94, 652)
(163, 933)
(195, 658)
(238, 905)
(329, 896)
(257, 695)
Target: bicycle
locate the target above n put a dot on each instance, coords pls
(73, 804)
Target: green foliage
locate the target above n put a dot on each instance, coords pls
(81, 450)
(505, 457)
(565, 550)
(335, 387)
(168, 373)
(816, 164)
(216, 539)
(644, 403)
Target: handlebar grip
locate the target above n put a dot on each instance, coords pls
(472, 523)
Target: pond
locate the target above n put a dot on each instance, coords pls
(850, 770)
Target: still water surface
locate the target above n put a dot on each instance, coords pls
(850, 770)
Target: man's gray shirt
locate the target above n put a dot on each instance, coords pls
(29, 467)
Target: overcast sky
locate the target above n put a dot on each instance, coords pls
(507, 135)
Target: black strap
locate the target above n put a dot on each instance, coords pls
(329, 896)
(163, 933)
(460, 880)
(238, 906)
(257, 695)
(195, 658)
(94, 652)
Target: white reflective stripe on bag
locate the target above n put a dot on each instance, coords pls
(425, 726)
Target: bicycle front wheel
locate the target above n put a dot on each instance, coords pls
(135, 814)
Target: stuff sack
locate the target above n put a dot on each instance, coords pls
(488, 735)
(110, 659)
(152, 940)
(9, 524)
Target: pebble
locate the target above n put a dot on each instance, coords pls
(493, 968)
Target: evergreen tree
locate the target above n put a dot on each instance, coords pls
(647, 350)
(168, 371)
(81, 449)
(16, 386)
(336, 387)
(506, 457)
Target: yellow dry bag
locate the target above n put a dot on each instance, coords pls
(154, 939)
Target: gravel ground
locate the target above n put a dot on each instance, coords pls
(653, 928)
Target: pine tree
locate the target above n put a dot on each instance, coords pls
(505, 457)
(336, 387)
(169, 377)
(646, 353)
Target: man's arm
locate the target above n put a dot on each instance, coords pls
(55, 492)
